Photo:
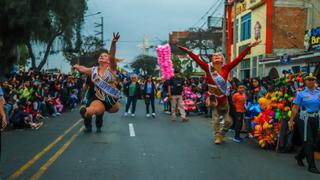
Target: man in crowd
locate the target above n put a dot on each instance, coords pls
(175, 89)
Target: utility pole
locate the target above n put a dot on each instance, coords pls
(234, 29)
(101, 30)
(224, 29)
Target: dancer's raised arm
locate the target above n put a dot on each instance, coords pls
(113, 61)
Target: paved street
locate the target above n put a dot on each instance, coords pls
(155, 148)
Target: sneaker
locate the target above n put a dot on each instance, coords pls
(98, 130)
(148, 115)
(299, 161)
(133, 115)
(87, 130)
(218, 140)
(125, 114)
(237, 139)
(153, 114)
(185, 120)
(313, 170)
(173, 118)
(58, 114)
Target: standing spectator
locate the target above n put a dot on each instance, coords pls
(308, 102)
(149, 95)
(256, 90)
(132, 91)
(8, 103)
(165, 99)
(3, 116)
(175, 89)
(239, 101)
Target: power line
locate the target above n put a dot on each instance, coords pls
(203, 16)
(215, 10)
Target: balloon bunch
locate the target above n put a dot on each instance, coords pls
(275, 109)
(164, 60)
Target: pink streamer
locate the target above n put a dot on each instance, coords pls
(164, 60)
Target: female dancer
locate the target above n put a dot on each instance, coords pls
(217, 77)
(104, 78)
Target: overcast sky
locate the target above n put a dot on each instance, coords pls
(134, 18)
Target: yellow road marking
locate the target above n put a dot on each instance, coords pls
(39, 155)
(45, 167)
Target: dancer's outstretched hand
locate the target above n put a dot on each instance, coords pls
(116, 37)
(254, 44)
(184, 49)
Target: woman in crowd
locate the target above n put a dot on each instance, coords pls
(132, 91)
(149, 93)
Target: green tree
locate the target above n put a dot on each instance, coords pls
(38, 23)
(146, 64)
(185, 66)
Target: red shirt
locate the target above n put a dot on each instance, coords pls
(239, 101)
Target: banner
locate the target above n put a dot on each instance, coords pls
(312, 39)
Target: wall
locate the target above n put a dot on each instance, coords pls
(289, 27)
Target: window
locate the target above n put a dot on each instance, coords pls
(246, 27)
(254, 67)
(261, 57)
(245, 69)
(237, 30)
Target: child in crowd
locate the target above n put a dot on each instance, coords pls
(239, 101)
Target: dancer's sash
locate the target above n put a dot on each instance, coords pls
(102, 85)
(222, 84)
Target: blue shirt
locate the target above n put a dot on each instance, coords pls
(1, 92)
(308, 101)
(149, 88)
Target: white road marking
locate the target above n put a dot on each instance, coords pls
(131, 129)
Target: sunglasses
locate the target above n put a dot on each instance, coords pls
(311, 79)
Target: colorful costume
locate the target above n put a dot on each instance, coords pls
(218, 80)
(104, 91)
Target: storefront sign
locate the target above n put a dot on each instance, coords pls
(285, 59)
(241, 7)
(312, 39)
(256, 3)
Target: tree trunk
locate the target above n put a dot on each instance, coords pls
(49, 45)
(31, 54)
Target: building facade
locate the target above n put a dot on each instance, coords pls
(280, 25)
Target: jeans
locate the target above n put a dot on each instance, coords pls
(239, 116)
(133, 100)
(148, 102)
(7, 108)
